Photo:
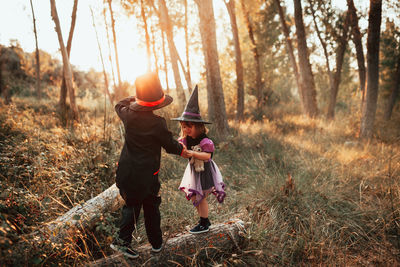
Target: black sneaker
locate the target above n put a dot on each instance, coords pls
(198, 229)
(156, 250)
(125, 250)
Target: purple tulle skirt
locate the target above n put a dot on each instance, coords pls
(199, 184)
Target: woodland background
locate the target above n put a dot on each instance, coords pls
(306, 125)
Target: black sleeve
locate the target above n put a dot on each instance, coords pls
(122, 107)
(166, 140)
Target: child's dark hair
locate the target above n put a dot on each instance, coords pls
(200, 127)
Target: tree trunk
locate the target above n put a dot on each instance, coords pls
(81, 217)
(109, 49)
(394, 92)
(289, 48)
(215, 91)
(165, 60)
(106, 85)
(323, 43)
(153, 47)
(339, 62)
(355, 30)
(369, 110)
(189, 78)
(256, 55)
(115, 41)
(66, 65)
(63, 92)
(306, 75)
(186, 74)
(38, 89)
(167, 27)
(230, 6)
(146, 35)
(227, 236)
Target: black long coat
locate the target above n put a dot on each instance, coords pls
(139, 163)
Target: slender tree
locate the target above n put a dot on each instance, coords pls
(38, 89)
(166, 23)
(153, 47)
(66, 64)
(256, 55)
(356, 37)
(215, 92)
(188, 78)
(337, 74)
(230, 6)
(323, 43)
(290, 50)
(369, 109)
(306, 75)
(63, 92)
(109, 49)
(106, 84)
(115, 41)
(165, 60)
(144, 18)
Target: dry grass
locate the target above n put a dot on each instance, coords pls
(342, 207)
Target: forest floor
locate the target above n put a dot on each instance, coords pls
(341, 208)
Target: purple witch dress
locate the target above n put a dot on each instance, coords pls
(207, 181)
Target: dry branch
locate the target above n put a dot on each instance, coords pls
(82, 216)
(223, 237)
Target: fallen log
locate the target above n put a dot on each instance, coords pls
(81, 217)
(184, 248)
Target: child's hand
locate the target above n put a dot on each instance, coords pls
(187, 153)
(184, 152)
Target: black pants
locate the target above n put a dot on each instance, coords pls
(152, 220)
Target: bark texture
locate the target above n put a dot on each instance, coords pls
(215, 93)
(374, 28)
(181, 249)
(230, 6)
(66, 65)
(82, 216)
(306, 75)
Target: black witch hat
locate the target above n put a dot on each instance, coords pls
(192, 111)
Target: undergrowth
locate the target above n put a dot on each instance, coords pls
(309, 191)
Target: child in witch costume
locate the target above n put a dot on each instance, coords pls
(139, 163)
(198, 185)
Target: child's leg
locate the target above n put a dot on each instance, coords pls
(130, 215)
(152, 220)
(203, 208)
(193, 198)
